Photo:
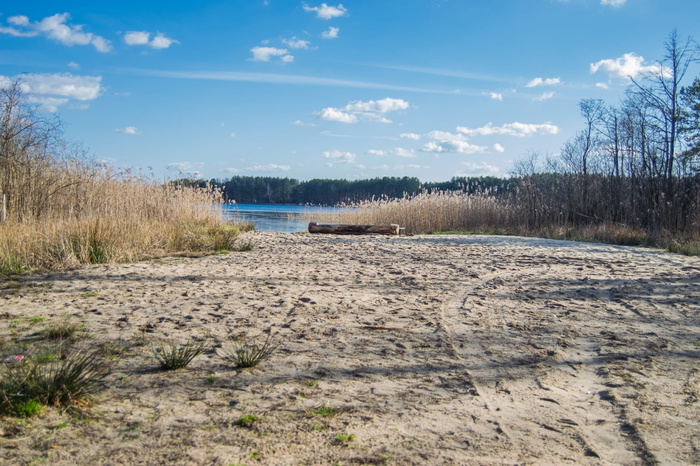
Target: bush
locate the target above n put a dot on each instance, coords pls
(249, 355)
(172, 356)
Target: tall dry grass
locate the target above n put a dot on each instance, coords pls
(100, 216)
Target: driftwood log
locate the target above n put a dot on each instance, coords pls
(392, 229)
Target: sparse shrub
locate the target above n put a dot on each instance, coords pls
(345, 438)
(173, 356)
(249, 355)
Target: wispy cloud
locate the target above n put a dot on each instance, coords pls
(159, 41)
(444, 72)
(510, 129)
(412, 136)
(496, 96)
(397, 151)
(56, 28)
(544, 96)
(326, 11)
(273, 78)
(128, 130)
(295, 43)
(613, 3)
(543, 82)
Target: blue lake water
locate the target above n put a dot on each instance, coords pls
(274, 217)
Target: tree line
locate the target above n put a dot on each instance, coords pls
(272, 190)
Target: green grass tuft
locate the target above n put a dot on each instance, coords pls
(249, 355)
(172, 356)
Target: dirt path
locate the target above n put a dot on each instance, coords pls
(428, 350)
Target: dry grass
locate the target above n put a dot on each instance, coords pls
(104, 217)
(492, 213)
(432, 212)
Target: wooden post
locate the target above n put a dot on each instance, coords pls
(392, 229)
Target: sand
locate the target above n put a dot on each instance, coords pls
(426, 349)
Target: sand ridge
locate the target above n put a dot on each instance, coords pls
(432, 350)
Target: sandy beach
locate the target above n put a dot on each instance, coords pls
(426, 349)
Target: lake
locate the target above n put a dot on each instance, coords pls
(274, 217)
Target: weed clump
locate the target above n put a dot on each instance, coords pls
(173, 356)
(27, 387)
(249, 355)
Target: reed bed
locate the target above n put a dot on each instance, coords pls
(492, 212)
(429, 212)
(102, 217)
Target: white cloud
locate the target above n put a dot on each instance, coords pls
(613, 3)
(479, 169)
(232, 135)
(398, 151)
(543, 82)
(74, 65)
(510, 129)
(295, 43)
(331, 33)
(50, 104)
(327, 12)
(55, 28)
(339, 157)
(412, 136)
(128, 130)
(287, 59)
(448, 142)
(498, 148)
(267, 53)
(627, 66)
(372, 110)
(544, 96)
(159, 41)
(302, 123)
(601, 85)
(496, 96)
(54, 90)
(333, 114)
(270, 167)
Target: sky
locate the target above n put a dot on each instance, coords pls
(303, 89)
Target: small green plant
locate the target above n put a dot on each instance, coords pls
(319, 427)
(62, 331)
(89, 294)
(345, 437)
(312, 383)
(61, 425)
(210, 427)
(211, 378)
(325, 411)
(247, 420)
(254, 455)
(29, 408)
(172, 356)
(37, 320)
(249, 355)
(70, 381)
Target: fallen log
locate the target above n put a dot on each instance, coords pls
(392, 229)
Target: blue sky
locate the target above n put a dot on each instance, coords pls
(358, 89)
